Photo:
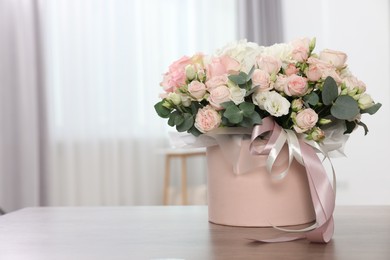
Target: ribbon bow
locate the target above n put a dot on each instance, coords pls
(322, 193)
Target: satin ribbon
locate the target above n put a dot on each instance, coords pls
(322, 193)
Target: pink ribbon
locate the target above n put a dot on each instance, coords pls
(322, 193)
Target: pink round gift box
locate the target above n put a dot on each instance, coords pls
(252, 198)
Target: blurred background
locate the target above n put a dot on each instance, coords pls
(79, 78)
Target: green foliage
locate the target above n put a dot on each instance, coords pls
(345, 108)
(239, 79)
(329, 91)
(372, 110)
(161, 110)
(312, 98)
(186, 124)
(350, 125)
(243, 115)
(233, 114)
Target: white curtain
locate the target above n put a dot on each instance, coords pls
(21, 106)
(103, 64)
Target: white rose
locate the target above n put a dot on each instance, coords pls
(276, 105)
(237, 95)
(259, 98)
(175, 98)
(365, 101)
(242, 51)
(280, 51)
(269, 64)
(185, 100)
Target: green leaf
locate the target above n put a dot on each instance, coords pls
(253, 119)
(226, 122)
(345, 108)
(175, 118)
(350, 125)
(188, 122)
(227, 104)
(329, 91)
(247, 108)
(250, 91)
(194, 107)
(364, 126)
(373, 109)
(171, 120)
(179, 119)
(246, 122)
(233, 114)
(194, 131)
(256, 118)
(161, 110)
(312, 98)
(239, 79)
(249, 76)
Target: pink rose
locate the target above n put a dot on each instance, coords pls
(269, 64)
(219, 95)
(281, 82)
(216, 81)
(301, 49)
(207, 119)
(222, 65)
(313, 72)
(327, 69)
(262, 79)
(305, 120)
(176, 76)
(197, 89)
(291, 69)
(296, 86)
(336, 58)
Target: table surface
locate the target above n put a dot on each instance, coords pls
(178, 232)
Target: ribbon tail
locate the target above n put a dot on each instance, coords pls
(322, 234)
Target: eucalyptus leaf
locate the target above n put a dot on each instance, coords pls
(233, 114)
(329, 91)
(312, 98)
(226, 122)
(188, 122)
(227, 104)
(256, 118)
(373, 109)
(161, 110)
(171, 120)
(194, 107)
(246, 122)
(350, 125)
(193, 130)
(364, 127)
(249, 76)
(239, 79)
(179, 119)
(247, 108)
(249, 92)
(345, 108)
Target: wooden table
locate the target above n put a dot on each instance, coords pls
(178, 232)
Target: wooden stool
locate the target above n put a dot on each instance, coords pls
(183, 154)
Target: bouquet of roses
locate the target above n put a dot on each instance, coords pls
(243, 83)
